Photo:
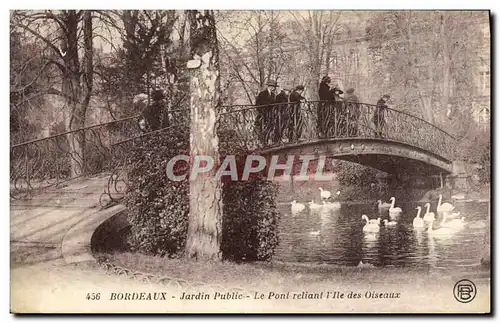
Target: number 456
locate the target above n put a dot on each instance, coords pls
(93, 296)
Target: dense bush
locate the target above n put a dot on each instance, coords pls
(352, 174)
(158, 208)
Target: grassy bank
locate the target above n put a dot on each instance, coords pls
(282, 276)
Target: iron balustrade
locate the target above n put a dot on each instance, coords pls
(262, 127)
(46, 162)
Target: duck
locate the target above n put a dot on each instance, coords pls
(371, 225)
(418, 222)
(315, 206)
(383, 205)
(428, 216)
(297, 207)
(388, 223)
(325, 194)
(445, 207)
(443, 232)
(331, 205)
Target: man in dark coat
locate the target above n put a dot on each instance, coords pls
(154, 113)
(295, 122)
(378, 117)
(281, 114)
(338, 123)
(324, 109)
(265, 116)
(353, 111)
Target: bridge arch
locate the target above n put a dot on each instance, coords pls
(386, 155)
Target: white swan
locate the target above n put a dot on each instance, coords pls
(331, 205)
(429, 216)
(418, 222)
(297, 207)
(388, 223)
(454, 224)
(443, 232)
(315, 206)
(383, 205)
(325, 194)
(314, 233)
(371, 225)
(394, 211)
(451, 215)
(445, 207)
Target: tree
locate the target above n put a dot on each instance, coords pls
(423, 56)
(317, 33)
(205, 200)
(60, 34)
(253, 47)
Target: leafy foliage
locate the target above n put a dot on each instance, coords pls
(158, 208)
(352, 174)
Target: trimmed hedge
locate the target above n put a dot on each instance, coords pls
(158, 208)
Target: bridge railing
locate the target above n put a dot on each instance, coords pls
(261, 127)
(50, 161)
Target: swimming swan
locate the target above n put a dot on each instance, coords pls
(443, 232)
(429, 216)
(445, 207)
(325, 194)
(418, 222)
(315, 206)
(388, 223)
(392, 209)
(371, 225)
(297, 207)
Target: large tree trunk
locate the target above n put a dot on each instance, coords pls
(77, 85)
(205, 200)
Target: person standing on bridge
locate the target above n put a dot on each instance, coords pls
(281, 115)
(295, 122)
(265, 117)
(324, 109)
(378, 117)
(340, 114)
(353, 112)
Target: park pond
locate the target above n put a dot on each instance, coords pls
(337, 237)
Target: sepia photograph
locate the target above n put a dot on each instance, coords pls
(250, 161)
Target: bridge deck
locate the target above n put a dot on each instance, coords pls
(39, 225)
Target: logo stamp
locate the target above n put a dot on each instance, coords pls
(464, 291)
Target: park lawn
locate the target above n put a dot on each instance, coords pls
(278, 276)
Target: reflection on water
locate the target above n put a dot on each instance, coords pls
(337, 237)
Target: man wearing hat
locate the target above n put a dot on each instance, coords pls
(265, 114)
(295, 122)
(281, 115)
(324, 109)
(378, 117)
(338, 125)
(353, 112)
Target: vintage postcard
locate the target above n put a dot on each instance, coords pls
(256, 161)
